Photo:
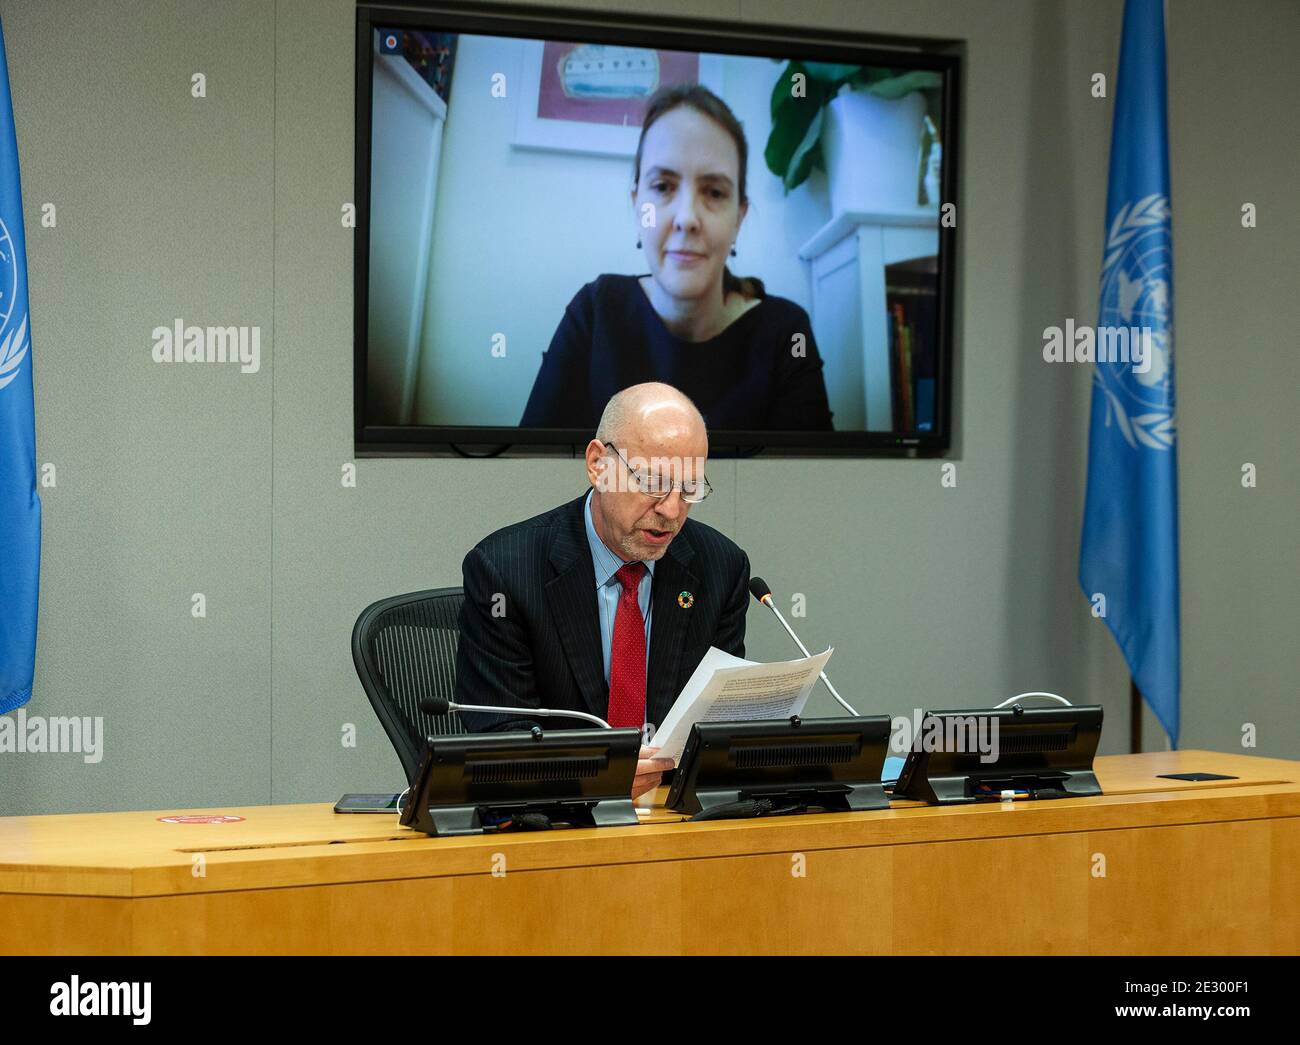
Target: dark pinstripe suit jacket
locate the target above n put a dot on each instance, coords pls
(541, 647)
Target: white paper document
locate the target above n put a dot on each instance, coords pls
(729, 689)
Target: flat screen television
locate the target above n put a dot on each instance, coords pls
(553, 205)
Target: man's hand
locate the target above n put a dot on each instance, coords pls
(649, 771)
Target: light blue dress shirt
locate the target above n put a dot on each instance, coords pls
(608, 590)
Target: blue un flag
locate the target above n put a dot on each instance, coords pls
(20, 508)
(1129, 552)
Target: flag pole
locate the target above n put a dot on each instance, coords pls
(1134, 717)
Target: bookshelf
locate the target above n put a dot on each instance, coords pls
(850, 262)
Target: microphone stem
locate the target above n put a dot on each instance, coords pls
(525, 712)
(771, 604)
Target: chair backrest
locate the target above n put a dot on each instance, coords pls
(404, 649)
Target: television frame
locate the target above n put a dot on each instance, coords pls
(702, 35)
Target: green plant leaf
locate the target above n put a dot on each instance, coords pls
(791, 118)
(787, 135)
(781, 89)
(896, 87)
(831, 73)
(801, 160)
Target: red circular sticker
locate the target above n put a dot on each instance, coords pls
(208, 819)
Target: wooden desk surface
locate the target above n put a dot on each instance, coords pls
(284, 854)
(133, 854)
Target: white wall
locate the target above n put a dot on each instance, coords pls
(406, 146)
(516, 235)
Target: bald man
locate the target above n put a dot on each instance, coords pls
(608, 603)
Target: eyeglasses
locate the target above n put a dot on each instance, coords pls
(659, 486)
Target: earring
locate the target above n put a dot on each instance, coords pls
(733, 250)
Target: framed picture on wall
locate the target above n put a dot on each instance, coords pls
(589, 98)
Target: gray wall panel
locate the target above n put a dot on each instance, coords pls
(184, 478)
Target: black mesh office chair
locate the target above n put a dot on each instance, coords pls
(404, 648)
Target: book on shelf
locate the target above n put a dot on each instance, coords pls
(911, 308)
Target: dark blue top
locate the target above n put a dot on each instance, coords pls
(747, 378)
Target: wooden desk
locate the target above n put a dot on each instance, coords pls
(1188, 868)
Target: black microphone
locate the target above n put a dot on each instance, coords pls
(441, 705)
(759, 589)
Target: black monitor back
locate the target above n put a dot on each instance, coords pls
(812, 760)
(1048, 752)
(580, 776)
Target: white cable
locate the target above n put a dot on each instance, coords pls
(1036, 693)
(525, 712)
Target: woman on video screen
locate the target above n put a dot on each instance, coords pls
(747, 358)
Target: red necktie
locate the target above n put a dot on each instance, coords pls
(627, 654)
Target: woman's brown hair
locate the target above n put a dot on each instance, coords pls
(706, 103)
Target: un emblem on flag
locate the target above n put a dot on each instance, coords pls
(13, 329)
(1136, 278)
